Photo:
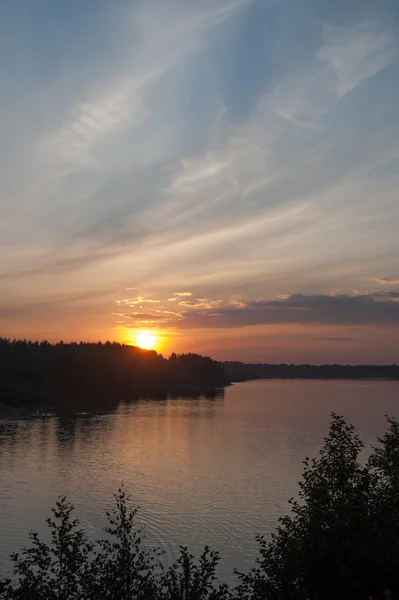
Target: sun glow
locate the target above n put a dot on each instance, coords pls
(146, 340)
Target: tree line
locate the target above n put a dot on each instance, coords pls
(238, 371)
(97, 374)
(340, 541)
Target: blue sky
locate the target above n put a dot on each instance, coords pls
(242, 152)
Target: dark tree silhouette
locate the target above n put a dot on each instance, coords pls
(341, 539)
(97, 374)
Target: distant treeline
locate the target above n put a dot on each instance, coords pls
(40, 373)
(238, 371)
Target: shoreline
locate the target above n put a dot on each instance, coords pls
(10, 412)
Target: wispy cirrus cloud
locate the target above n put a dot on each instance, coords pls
(355, 54)
(125, 100)
(92, 123)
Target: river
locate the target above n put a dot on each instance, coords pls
(203, 471)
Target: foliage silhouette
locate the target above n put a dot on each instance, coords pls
(341, 540)
(117, 567)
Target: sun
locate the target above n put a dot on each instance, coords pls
(146, 340)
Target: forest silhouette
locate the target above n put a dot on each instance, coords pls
(98, 374)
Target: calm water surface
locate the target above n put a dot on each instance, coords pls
(203, 471)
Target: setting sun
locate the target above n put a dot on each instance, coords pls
(146, 340)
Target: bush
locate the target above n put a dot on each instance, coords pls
(341, 541)
(118, 567)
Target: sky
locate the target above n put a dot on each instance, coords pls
(221, 173)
